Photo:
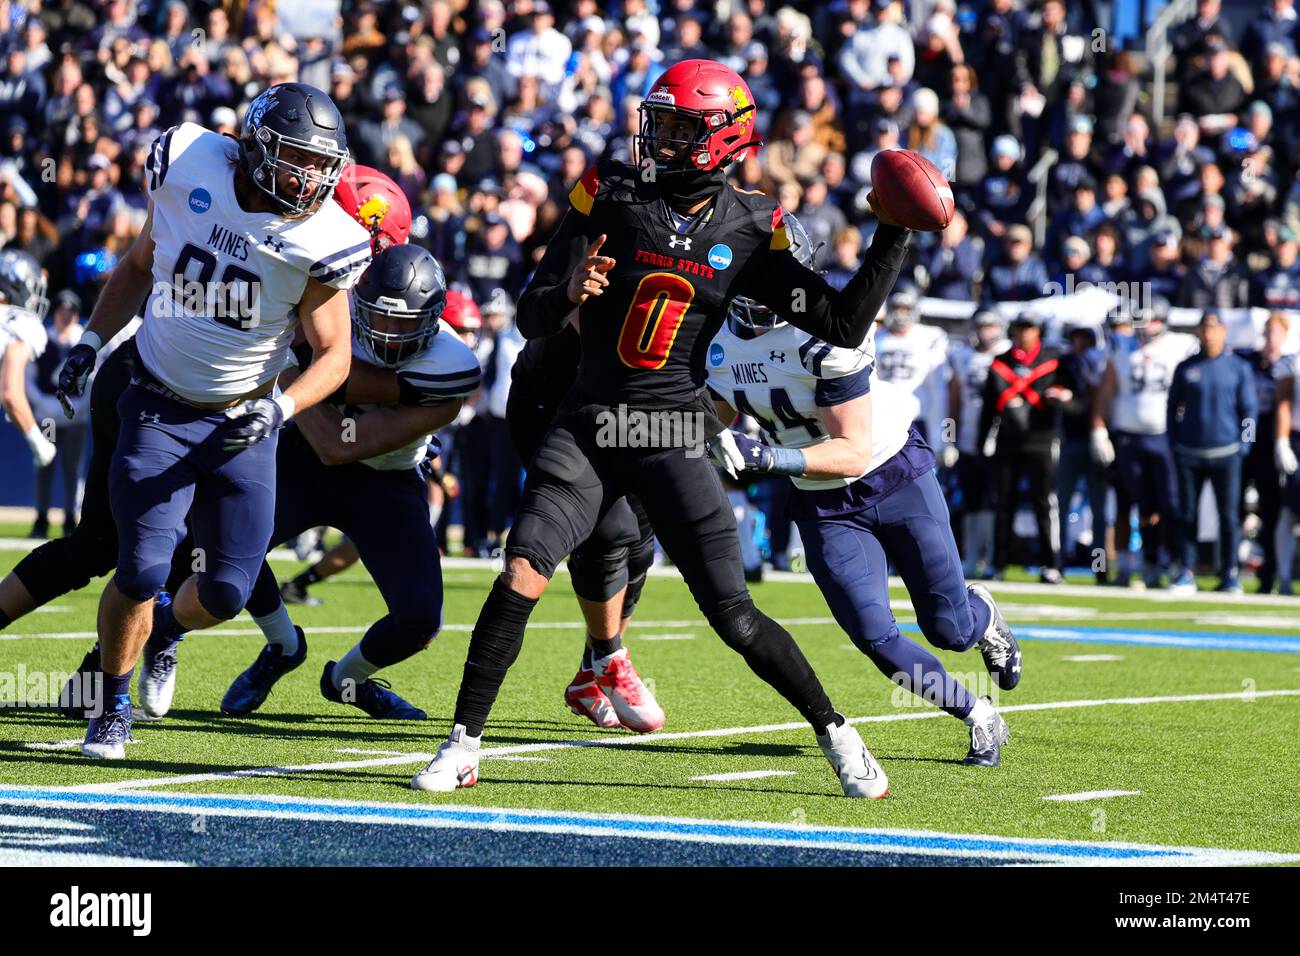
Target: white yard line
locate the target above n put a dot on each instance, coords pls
(1092, 795)
(744, 775)
(661, 637)
(653, 739)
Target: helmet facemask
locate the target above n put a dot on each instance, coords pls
(23, 284)
(270, 164)
(392, 349)
(754, 316)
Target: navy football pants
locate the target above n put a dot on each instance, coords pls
(169, 464)
(849, 557)
(386, 515)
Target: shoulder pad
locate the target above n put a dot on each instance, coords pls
(447, 369)
(19, 325)
(829, 361)
(171, 147)
(335, 247)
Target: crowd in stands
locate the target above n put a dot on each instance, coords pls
(486, 112)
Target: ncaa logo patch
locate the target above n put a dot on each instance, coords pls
(200, 200)
(720, 256)
(716, 354)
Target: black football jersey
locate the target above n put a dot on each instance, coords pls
(645, 340)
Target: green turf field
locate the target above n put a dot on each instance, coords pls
(1212, 773)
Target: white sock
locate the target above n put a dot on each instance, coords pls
(278, 629)
(353, 667)
(981, 713)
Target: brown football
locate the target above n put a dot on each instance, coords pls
(911, 190)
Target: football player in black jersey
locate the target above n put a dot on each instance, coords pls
(645, 264)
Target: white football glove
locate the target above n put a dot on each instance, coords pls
(948, 457)
(43, 449)
(724, 451)
(1103, 452)
(1284, 457)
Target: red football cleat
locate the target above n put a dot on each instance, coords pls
(632, 701)
(585, 699)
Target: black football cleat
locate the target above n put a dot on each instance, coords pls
(373, 696)
(250, 689)
(80, 697)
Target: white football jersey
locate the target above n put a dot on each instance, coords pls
(917, 361)
(1143, 374)
(20, 325)
(446, 369)
(226, 282)
(782, 379)
(971, 368)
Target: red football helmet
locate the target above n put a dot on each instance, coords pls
(375, 201)
(462, 314)
(715, 100)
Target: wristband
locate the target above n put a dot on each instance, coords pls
(787, 461)
(287, 405)
(91, 339)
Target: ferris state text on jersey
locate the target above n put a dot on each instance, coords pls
(226, 281)
(668, 290)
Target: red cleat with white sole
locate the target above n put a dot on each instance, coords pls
(632, 701)
(585, 699)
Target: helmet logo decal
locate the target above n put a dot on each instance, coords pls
(374, 209)
(661, 96)
(744, 108)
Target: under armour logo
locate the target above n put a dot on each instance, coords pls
(151, 417)
(274, 244)
(683, 241)
(776, 356)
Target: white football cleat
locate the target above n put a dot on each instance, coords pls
(455, 765)
(157, 680)
(635, 706)
(860, 774)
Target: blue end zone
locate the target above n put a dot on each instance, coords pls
(210, 829)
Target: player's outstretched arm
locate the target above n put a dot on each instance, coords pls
(123, 295)
(848, 453)
(127, 289)
(13, 386)
(377, 432)
(327, 325)
(805, 300)
(571, 261)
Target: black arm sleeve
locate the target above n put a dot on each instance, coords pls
(804, 299)
(544, 305)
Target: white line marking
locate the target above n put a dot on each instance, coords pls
(744, 775)
(373, 753)
(1081, 658)
(1092, 795)
(652, 739)
(362, 628)
(519, 757)
(53, 745)
(665, 637)
(14, 857)
(468, 816)
(53, 609)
